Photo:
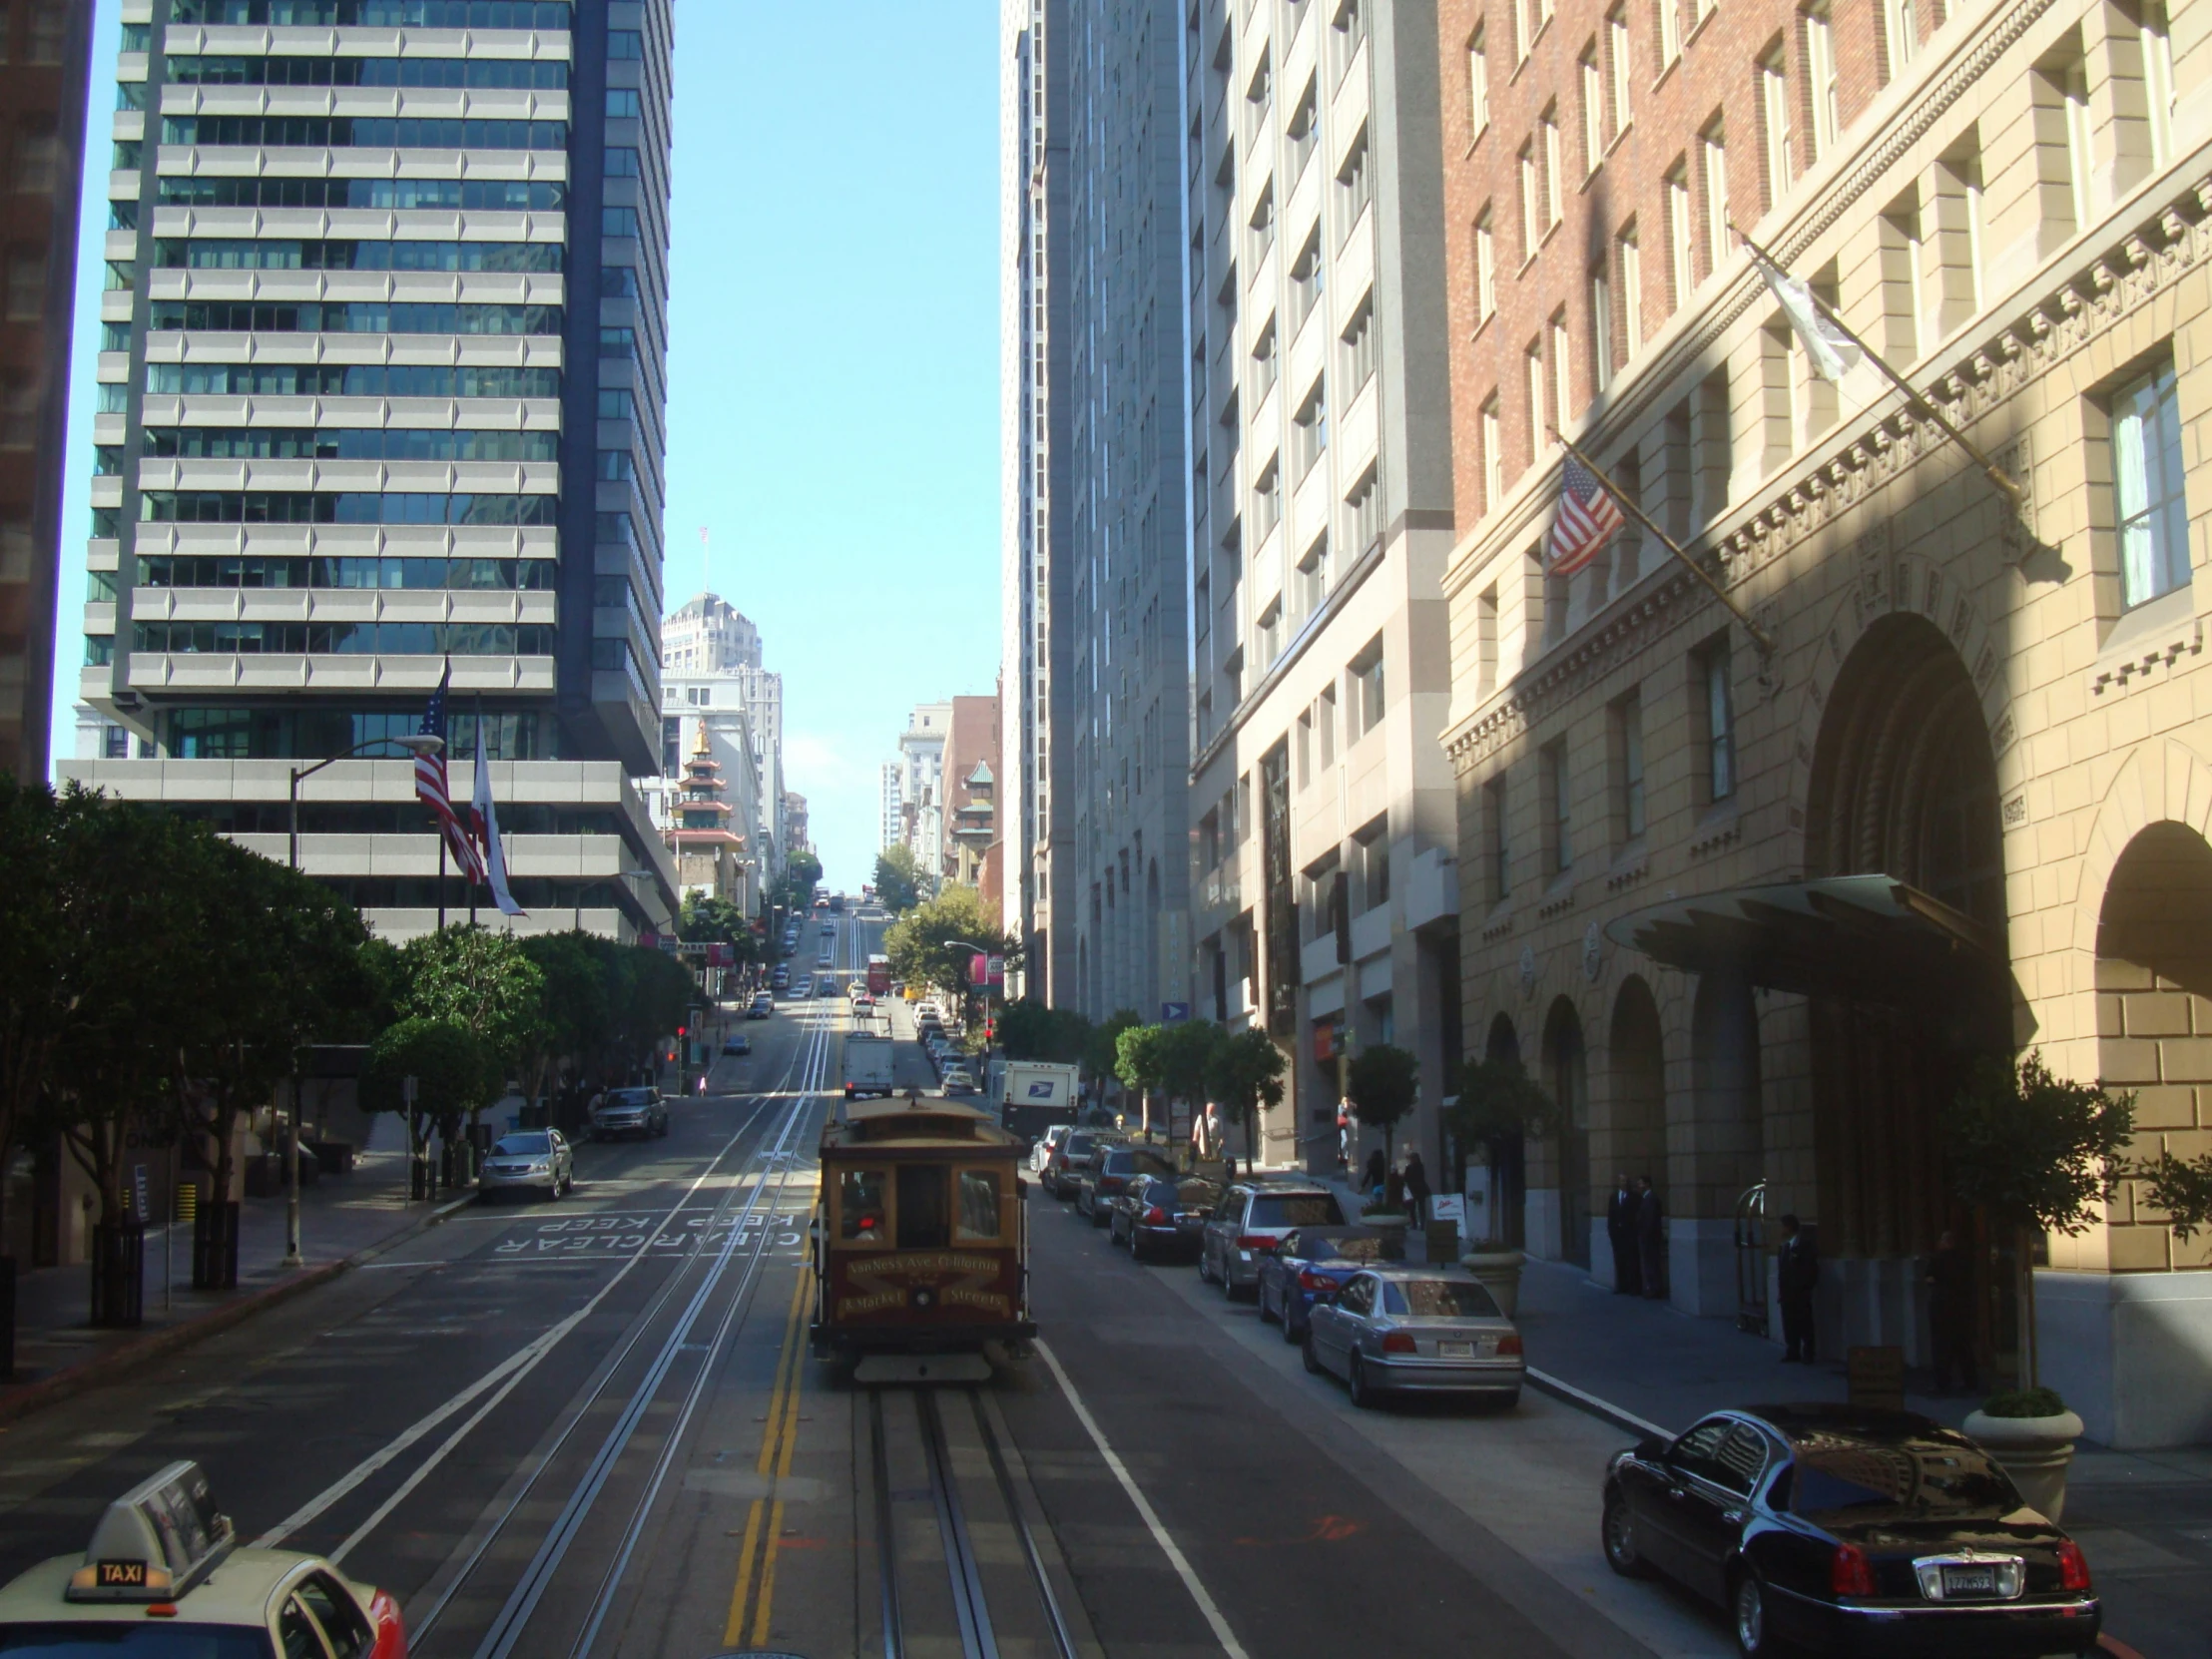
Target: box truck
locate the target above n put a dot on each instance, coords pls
(867, 1066)
(1034, 1095)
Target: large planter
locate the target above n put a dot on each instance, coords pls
(1392, 1228)
(1499, 1271)
(2034, 1452)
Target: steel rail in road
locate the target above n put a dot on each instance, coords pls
(514, 1616)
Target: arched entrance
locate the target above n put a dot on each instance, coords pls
(2154, 961)
(1567, 1078)
(1903, 784)
(1633, 1141)
(1508, 1184)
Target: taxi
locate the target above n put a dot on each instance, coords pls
(164, 1579)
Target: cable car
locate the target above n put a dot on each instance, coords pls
(921, 1240)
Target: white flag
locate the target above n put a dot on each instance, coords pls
(1833, 353)
(484, 820)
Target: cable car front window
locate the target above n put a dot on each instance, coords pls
(860, 1217)
(922, 1223)
(979, 1204)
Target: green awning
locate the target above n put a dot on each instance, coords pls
(1871, 938)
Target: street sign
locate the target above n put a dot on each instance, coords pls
(1174, 1013)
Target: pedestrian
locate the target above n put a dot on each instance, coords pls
(1344, 1134)
(1797, 1270)
(1377, 1173)
(1620, 1232)
(1206, 1136)
(1651, 1276)
(1417, 1187)
(1950, 1313)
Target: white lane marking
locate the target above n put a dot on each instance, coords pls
(1168, 1547)
(1603, 1407)
(525, 1358)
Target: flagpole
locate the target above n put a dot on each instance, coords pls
(2007, 486)
(1759, 635)
(479, 761)
(442, 881)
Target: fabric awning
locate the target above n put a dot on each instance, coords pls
(1873, 938)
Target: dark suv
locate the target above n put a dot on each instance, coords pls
(1111, 1171)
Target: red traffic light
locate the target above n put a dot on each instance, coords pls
(683, 1030)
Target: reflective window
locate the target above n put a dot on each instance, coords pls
(978, 1204)
(861, 1206)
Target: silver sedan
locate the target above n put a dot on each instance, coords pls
(532, 1160)
(1415, 1330)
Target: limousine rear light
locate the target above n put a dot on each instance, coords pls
(1850, 1573)
(1156, 1216)
(2073, 1566)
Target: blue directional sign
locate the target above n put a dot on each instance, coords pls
(1172, 1012)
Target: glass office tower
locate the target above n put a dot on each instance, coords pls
(382, 396)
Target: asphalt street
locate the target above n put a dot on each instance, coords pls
(590, 1426)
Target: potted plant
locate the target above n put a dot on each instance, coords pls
(2032, 1435)
(1499, 1106)
(2035, 1154)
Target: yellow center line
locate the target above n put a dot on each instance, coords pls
(782, 1421)
(775, 1519)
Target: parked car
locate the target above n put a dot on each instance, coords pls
(1309, 1266)
(1111, 1169)
(1047, 1144)
(762, 1007)
(1161, 1215)
(1250, 1222)
(640, 1112)
(1405, 1330)
(804, 989)
(780, 979)
(1063, 1174)
(1847, 1530)
(736, 1043)
(529, 1159)
(955, 1081)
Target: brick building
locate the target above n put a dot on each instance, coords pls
(1711, 892)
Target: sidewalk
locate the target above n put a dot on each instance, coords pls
(2144, 1519)
(341, 1217)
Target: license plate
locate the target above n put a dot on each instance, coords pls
(1970, 1581)
(1455, 1350)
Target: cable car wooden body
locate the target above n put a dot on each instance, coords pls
(920, 1235)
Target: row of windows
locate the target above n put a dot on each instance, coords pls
(346, 443)
(353, 317)
(349, 381)
(318, 734)
(256, 253)
(229, 571)
(470, 74)
(344, 639)
(381, 14)
(352, 507)
(316, 132)
(393, 195)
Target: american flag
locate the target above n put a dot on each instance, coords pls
(432, 790)
(1587, 517)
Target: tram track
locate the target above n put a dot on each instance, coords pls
(985, 1601)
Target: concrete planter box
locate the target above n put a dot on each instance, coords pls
(1499, 1271)
(2034, 1452)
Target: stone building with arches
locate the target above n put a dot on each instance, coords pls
(1751, 889)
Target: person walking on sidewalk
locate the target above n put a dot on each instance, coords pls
(1651, 1238)
(1798, 1269)
(1620, 1232)
(1377, 1174)
(1417, 1187)
(1950, 1313)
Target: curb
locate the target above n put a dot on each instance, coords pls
(121, 1361)
(1603, 1410)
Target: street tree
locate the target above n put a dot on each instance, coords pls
(706, 919)
(575, 1019)
(1028, 1030)
(1137, 1060)
(802, 874)
(1102, 1049)
(899, 879)
(2180, 1188)
(2035, 1153)
(482, 979)
(917, 942)
(454, 1072)
(39, 994)
(1245, 1074)
(1383, 1082)
(1187, 1050)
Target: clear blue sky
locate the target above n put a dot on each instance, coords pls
(833, 368)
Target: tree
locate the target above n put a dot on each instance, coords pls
(899, 879)
(1245, 1074)
(1499, 1106)
(917, 943)
(482, 979)
(1187, 1051)
(1137, 1064)
(2181, 1189)
(802, 874)
(39, 999)
(1102, 1050)
(454, 1071)
(706, 919)
(1028, 1030)
(1383, 1083)
(576, 1019)
(2035, 1153)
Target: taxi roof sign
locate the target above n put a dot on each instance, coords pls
(156, 1541)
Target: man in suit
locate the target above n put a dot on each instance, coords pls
(1620, 1232)
(1798, 1269)
(1651, 1240)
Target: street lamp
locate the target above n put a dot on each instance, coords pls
(418, 745)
